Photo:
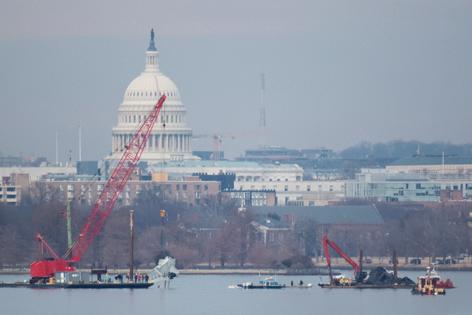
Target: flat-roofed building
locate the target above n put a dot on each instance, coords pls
(13, 187)
(249, 198)
(10, 194)
(384, 185)
(36, 172)
(433, 166)
(189, 191)
(299, 193)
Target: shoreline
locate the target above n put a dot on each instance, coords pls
(317, 271)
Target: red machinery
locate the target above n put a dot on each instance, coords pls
(329, 243)
(43, 269)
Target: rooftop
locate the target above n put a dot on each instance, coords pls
(349, 214)
(221, 164)
(433, 160)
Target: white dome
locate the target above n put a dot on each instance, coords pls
(150, 86)
(170, 138)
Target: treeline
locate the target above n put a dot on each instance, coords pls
(217, 233)
(399, 149)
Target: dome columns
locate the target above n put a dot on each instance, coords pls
(164, 143)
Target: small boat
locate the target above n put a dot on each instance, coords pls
(431, 283)
(267, 283)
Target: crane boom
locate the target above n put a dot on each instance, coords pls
(115, 184)
(329, 243)
(104, 204)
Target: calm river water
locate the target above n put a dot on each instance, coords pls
(210, 295)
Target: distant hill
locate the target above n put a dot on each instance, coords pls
(400, 149)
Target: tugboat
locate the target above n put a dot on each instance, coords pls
(431, 284)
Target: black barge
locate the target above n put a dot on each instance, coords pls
(366, 286)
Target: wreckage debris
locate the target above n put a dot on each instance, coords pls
(380, 276)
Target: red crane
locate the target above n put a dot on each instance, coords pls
(43, 269)
(329, 243)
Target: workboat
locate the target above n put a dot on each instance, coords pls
(431, 284)
(267, 283)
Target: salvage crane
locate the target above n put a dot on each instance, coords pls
(358, 273)
(46, 268)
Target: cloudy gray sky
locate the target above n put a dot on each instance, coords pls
(337, 72)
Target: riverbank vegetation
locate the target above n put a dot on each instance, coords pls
(219, 234)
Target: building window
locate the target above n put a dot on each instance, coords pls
(286, 188)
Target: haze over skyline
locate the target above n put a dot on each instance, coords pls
(337, 72)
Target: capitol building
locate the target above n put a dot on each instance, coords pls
(170, 139)
(169, 159)
(169, 148)
(168, 153)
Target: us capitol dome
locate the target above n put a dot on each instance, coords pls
(171, 138)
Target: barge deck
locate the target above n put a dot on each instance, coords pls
(91, 285)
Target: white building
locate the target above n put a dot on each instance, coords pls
(171, 137)
(244, 171)
(285, 179)
(392, 185)
(434, 166)
(299, 193)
